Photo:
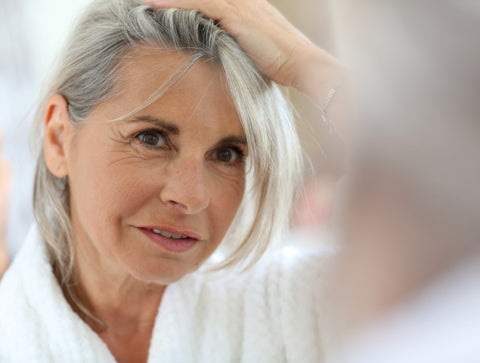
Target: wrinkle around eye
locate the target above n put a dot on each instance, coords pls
(233, 173)
(126, 152)
(133, 158)
(128, 142)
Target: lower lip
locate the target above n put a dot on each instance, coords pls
(170, 244)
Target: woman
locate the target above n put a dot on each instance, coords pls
(161, 139)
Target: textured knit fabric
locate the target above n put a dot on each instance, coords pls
(269, 314)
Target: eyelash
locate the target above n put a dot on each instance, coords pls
(240, 155)
(239, 151)
(162, 134)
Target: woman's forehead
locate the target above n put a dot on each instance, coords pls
(158, 65)
(199, 97)
(142, 61)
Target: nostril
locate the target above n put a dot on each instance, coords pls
(186, 191)
(172, 203)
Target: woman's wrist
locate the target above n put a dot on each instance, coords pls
(325, 81)
(319, 73)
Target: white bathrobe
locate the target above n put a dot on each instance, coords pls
(269, 314)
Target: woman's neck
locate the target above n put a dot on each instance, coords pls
(118, 307)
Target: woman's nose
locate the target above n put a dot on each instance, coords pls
(186, 189)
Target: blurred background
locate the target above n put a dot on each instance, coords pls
(31, 34)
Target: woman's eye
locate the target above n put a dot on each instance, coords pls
(227, 155)
(152, 138)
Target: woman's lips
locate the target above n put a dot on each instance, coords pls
(180, 245)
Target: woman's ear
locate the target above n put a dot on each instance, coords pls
(57, 128)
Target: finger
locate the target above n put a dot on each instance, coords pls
(210, 8)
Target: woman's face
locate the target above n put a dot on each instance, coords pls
(153, 195)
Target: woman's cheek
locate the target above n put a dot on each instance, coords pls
(226, 199)
(123, 195)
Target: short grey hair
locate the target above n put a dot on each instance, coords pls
(86, 76)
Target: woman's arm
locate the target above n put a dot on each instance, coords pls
(281, 51)
(5, 181)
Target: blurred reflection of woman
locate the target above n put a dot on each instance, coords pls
(161, 138)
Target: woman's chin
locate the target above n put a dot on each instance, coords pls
(166, 274)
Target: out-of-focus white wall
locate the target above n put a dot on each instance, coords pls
(47, 24)
(31, 33)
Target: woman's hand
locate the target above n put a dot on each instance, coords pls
(5, 184)
(280, 50)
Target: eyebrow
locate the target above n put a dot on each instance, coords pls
(168, 126)
(233, 140)
(173, 129)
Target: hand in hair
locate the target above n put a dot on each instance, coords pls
(280, 50)
(5, 181)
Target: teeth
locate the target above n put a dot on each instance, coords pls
(169, 235)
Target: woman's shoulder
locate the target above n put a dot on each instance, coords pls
(273, 308)
(18, 322)
(289, 284)
(275, 272)
(11, 282)
(34, 310)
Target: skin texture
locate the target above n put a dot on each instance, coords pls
(118, 183)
